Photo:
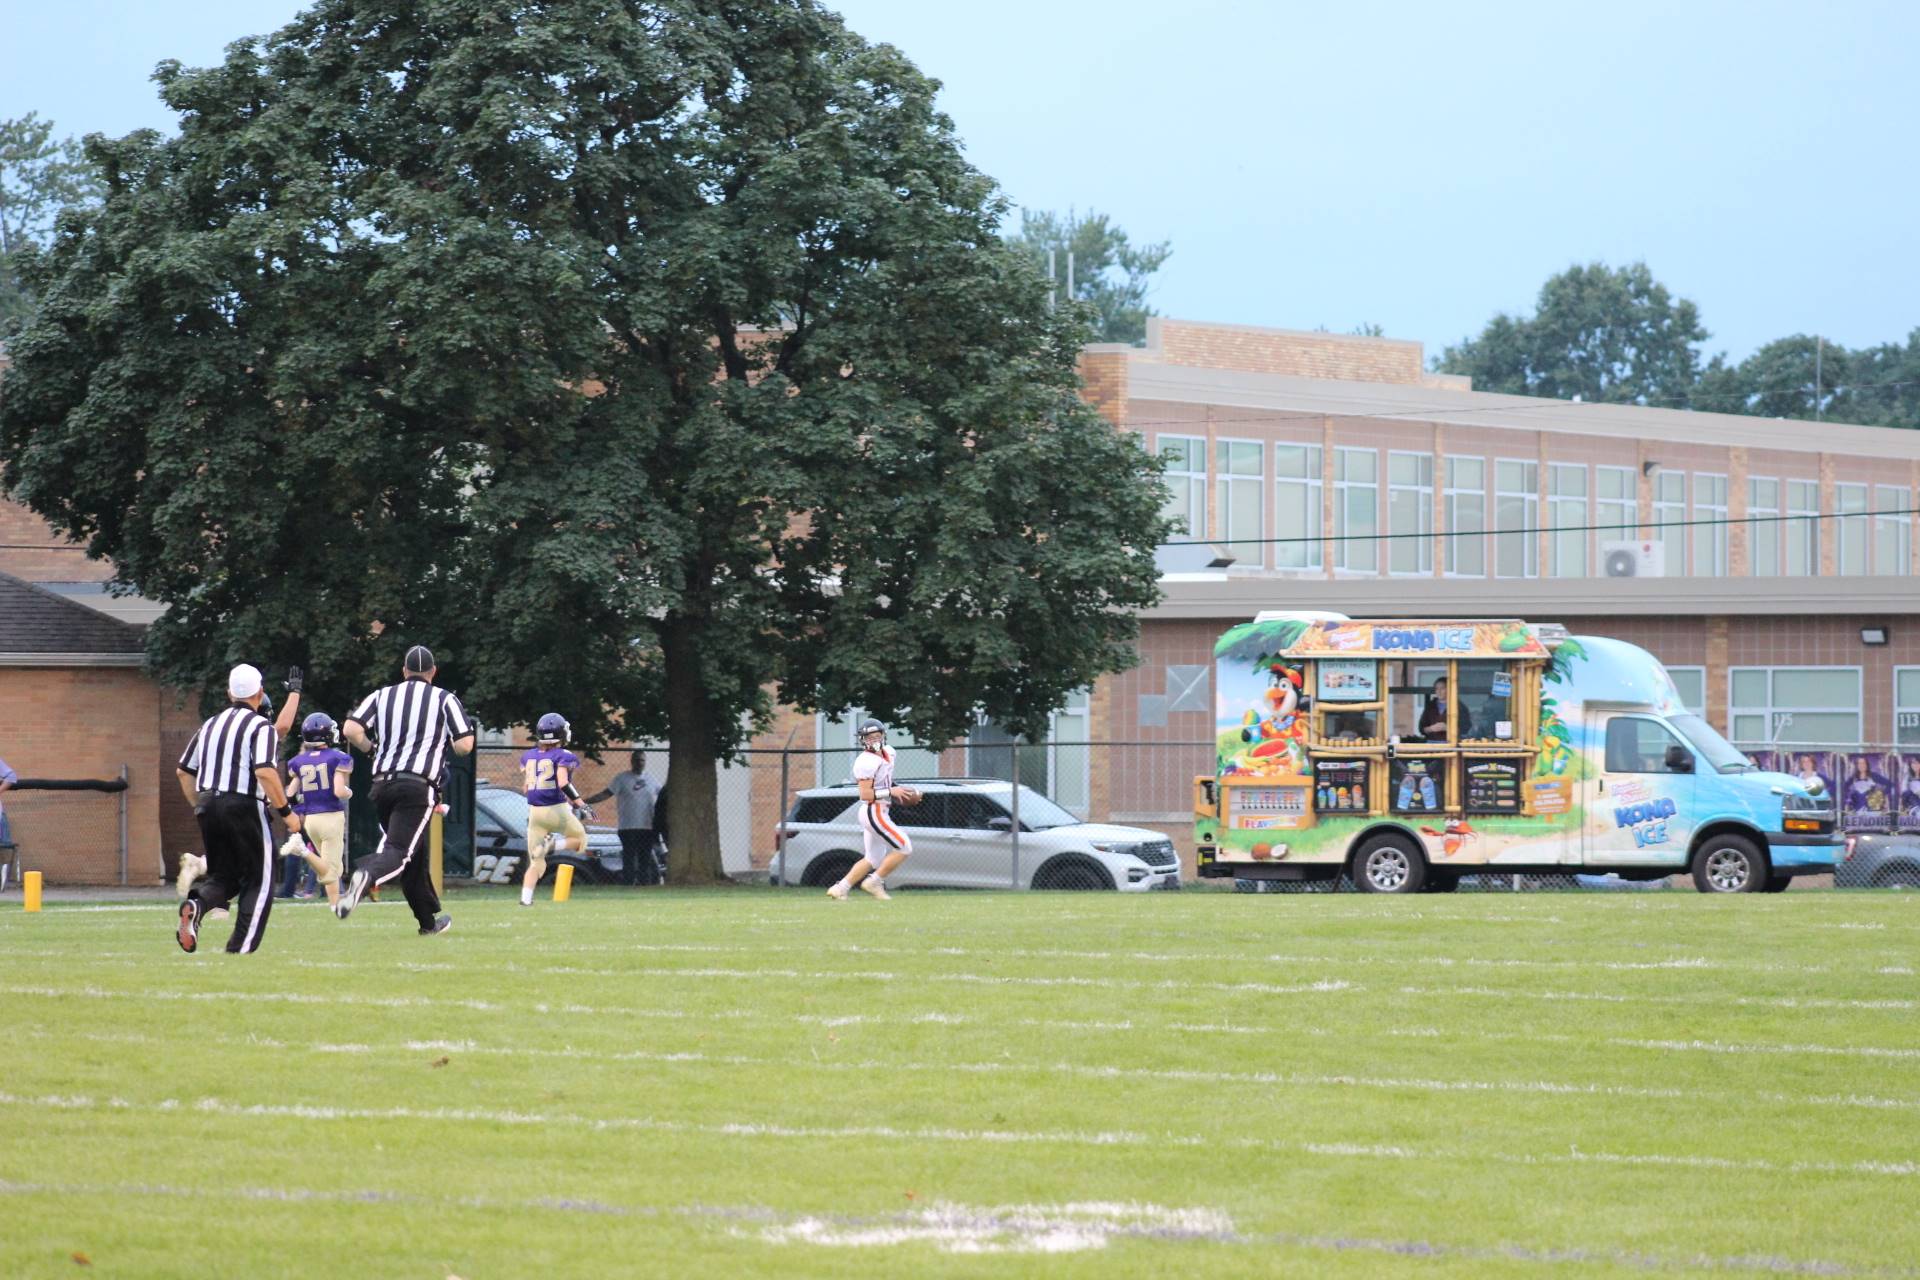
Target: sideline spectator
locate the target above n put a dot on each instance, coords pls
(7, 780)
(638, 803)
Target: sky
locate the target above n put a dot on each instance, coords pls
(1412, 165)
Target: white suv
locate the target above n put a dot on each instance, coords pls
(962, 832)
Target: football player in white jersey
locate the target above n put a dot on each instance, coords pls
(887, 845)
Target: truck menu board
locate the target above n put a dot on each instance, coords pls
(1340, 786)
(1493, 784)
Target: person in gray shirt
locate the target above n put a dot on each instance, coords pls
(638, 802)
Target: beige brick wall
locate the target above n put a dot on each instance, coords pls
(30, 549)
(1286, 351)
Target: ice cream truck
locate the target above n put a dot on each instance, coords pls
(1408, 753)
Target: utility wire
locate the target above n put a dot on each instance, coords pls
(1655, 525)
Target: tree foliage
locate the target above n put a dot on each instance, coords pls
(38, 178)
(1597, 333)
(1109, 273)
(650, 361)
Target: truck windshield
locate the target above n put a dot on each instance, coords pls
(1706, 739)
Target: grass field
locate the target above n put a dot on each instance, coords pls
(763, 1084)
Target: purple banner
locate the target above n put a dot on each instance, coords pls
(1810, 767)
(1866, 793)
(1910, 793)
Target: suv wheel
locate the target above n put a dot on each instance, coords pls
(827, 868)
(1072, 873)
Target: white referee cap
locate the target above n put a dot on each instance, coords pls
(243, 682)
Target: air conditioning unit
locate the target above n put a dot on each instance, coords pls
(1633, 559)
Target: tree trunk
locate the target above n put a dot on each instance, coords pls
(693, 811)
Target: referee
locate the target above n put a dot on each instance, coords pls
(407, 728)
(229, 775)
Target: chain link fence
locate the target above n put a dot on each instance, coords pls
(73, 831)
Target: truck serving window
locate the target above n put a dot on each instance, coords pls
(1706, 739)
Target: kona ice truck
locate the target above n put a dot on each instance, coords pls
(1410, 753)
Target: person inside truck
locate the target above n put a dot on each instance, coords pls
(1433, 716)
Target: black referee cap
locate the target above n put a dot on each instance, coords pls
(419, 661)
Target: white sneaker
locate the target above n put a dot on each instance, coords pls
(350, 896)
(526, 896)
(293, 846)
(837, 891)
(873, 886)
(192, 867)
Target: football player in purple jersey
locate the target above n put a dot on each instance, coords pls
(547, 773)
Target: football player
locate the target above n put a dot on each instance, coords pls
(317, 784)
(886, 845)
(547, 773)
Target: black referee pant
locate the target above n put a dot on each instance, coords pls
(239, 845)
(405, 803)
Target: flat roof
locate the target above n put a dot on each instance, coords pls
(1149, 378)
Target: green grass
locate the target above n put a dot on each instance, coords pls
(748, 1082)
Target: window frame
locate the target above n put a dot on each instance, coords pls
(1674, 738)
(1802, 525)
(1899, 524)
(1691, 668)
(1765, 531)
(1556, 503)
(1455, 537)
(1422, 539)
(1899, 707)
(1667, 527)
(1773, 707)
(1197, 448)
(1344, 550)
(1530, 519)
(1713, 535)
(1852, 527)
(1312, 553)
(1223, 482)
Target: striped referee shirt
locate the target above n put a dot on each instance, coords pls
(413, 722)
(228, 748)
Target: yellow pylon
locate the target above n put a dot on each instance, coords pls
(562, 882)
(30, 890)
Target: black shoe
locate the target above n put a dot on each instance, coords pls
(350, 898)
(189, 932)
(440, 925)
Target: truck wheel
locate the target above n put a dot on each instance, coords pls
(1777, 884)
(1389, 864)
(1729, 863)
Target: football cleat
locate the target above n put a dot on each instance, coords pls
(837, 891)
(440, 925)
(356, 885)
(188, 934)
(873, 886)
(293, 846)
(192, 867)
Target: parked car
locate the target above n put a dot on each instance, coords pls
(500, 843)
(1879, 862)
(962, 832)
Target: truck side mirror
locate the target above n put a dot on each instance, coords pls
(1679, 759)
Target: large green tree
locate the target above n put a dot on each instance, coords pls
(1110, 274)
(1597, 332)
(38, 177)
(649, 360)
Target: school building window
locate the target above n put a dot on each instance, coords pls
(1616, 507)
(1356, 510)
(1892, 530)
(1467, 517)
(1802, 528)
(1240, 483)
(1567, 515)
(1906, 706)
(1850, 506)
(1763, 527)
(1296, 509)
(1813, 706)
(1410, 512)
(1710, 539)
(1516, 516)
(1669, 510)
(1186, 480)
(1691, 684)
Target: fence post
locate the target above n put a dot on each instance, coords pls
(123, 828)
(1013, 874)
(780, 854)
